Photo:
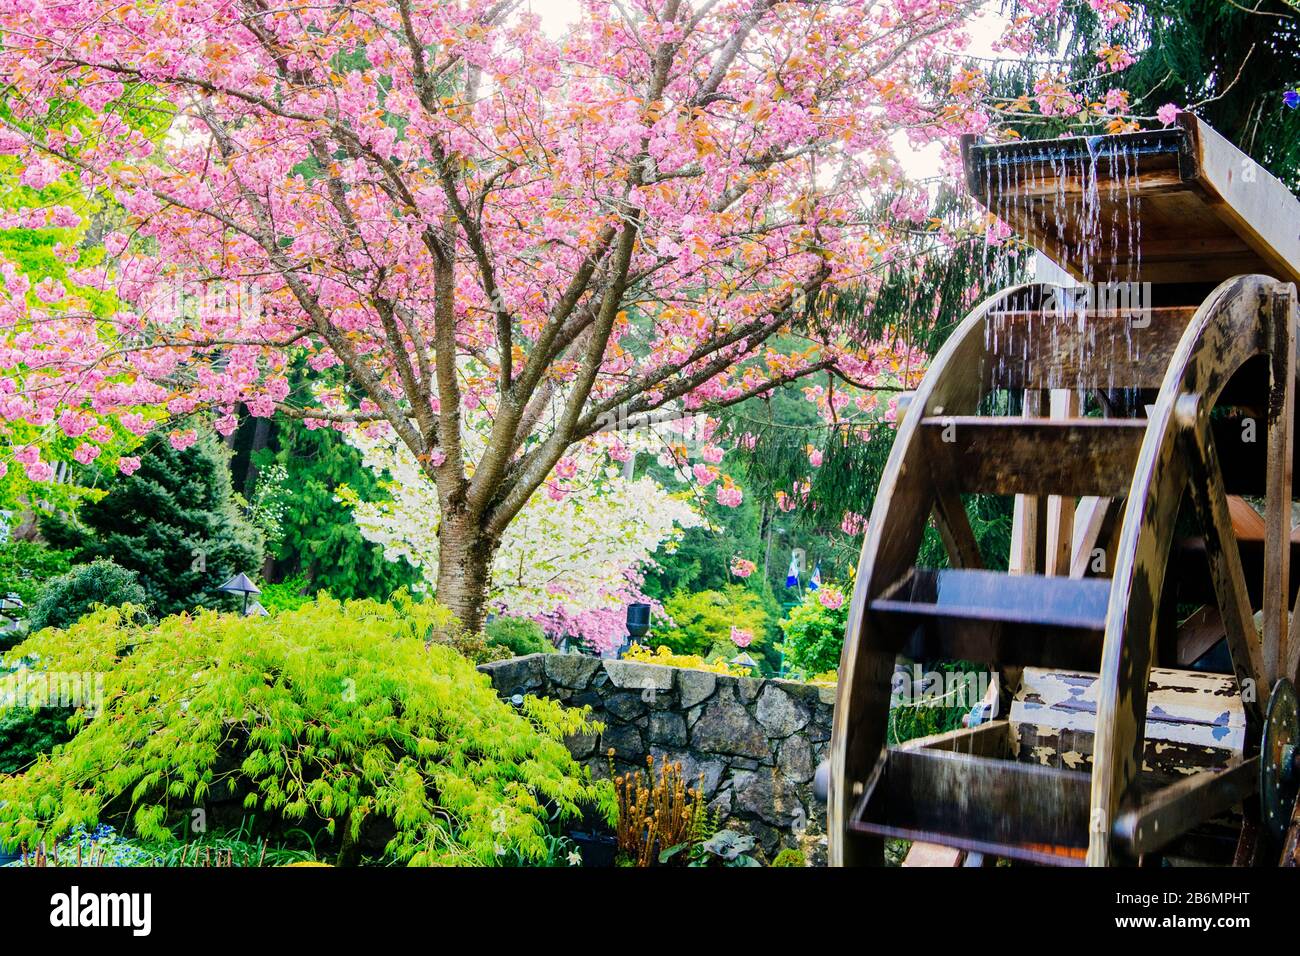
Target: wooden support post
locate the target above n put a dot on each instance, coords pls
(1277, 502)
(1063, 403)
(1028, 528)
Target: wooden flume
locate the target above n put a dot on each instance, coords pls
(1146, 617)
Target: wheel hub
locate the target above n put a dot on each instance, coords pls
(1279, 774)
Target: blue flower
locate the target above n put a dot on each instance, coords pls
(1291, 98)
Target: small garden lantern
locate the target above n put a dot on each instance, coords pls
(638, 621)
(744, 660)
(240, 584)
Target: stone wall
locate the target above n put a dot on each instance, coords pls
(756, 742)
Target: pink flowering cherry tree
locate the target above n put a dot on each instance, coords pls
(439, 208)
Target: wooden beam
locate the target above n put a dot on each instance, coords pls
(933, 855)
(1202, 629)
(1072, 349)
(954, 527)
(1036, 456)
(1001, 807)
(1171, 811)
(1096, 519)
(990, 739)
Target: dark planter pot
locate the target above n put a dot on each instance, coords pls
(597, 849)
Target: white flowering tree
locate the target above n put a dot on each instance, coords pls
(573, 558)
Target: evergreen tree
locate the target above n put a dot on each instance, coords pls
(1229, 63)
(320, 539)
(174, 522)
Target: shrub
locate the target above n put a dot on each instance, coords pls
(702, 621)
(814, 632)
(26, 733)
(338, 719)
(74, 594)
(287, 595)
(664, 656)
(789, 857)
(174, 522)
(26, 568)
(471, 645)
(520, 635)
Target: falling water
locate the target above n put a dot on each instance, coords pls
(1084, 198)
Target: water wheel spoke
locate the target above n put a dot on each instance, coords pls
(1224, 557)
(1278, 480)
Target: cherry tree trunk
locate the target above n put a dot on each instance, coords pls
(464, 570)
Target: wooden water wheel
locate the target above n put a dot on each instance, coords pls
(1150, 450)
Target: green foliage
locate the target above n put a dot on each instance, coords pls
(471, 645)
(286, 595)
(341, 717)
(319, 538)
(72, 595)
(1230, 62)
(930, 714)
(175, 522)
(519, 635)
(27, 732)
(26, 568)
(789, 857)
(702, 621)
(271, 499)
(236, 847)
(724, 848)
(102, 846)
(701, 561)
(814, 635)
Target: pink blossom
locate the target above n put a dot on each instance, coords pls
(135, 423)
(74, 424)
(742, 567)
(815, 457)
(566, 468)
(704, 474)
(437, 457)
(1168, 113)
(830, 597)
(226, 424)
(86, 453)
(729, 496)
(853, 523)
(40, 471)
(39, 174)
(27, 454)
(115, 243)
(128, 465)
(180, 440)
(741, 637)
(49, 290)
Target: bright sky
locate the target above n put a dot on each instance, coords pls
(557, 15)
